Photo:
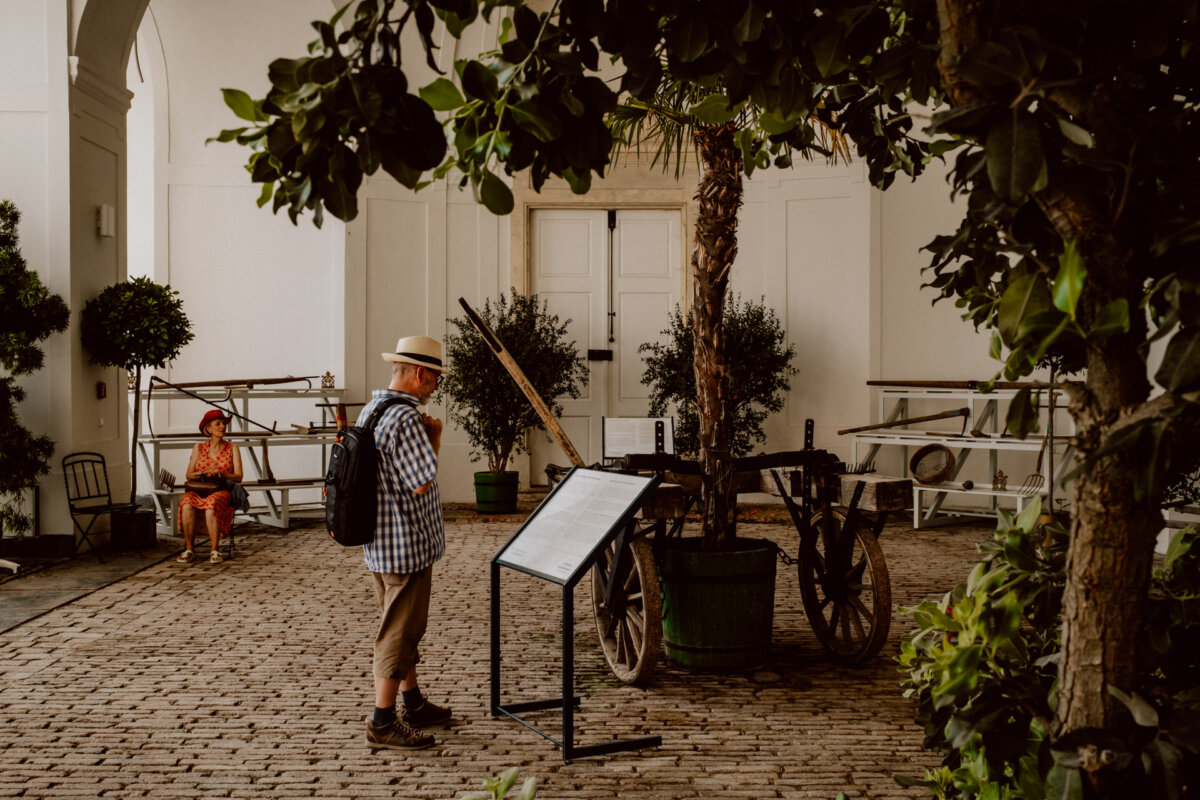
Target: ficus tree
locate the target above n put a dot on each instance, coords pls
(1072, 129)
(742, 85)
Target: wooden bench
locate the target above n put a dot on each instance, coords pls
(275, 511)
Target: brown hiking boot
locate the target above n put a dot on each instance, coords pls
(424, 715)
(397, 736)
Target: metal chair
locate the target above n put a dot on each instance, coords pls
(86, 476)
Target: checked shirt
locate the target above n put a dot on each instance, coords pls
(409, 530)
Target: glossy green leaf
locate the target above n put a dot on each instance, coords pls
(1068, 285)
(479, 82)
(1028, 517)
(282, 73)
(1064, 783)
(996, 346)
(712, 110)
(1022, 415)
(442, 95)
(1112, 319)
(750, 26)
(495, 194)
(1015, 162)
(1143, 712)
(1180, 368)
(537, 118)
(688, 38)
(775, 125)
(1075, 133)
(828, 44)
(1024, 297)
(241, 104)
(1177, 548)
(226, 135)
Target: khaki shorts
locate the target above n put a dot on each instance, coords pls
(403, 615)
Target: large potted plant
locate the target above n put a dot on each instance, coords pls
(718, 597)
(133, 324)
(486, 403)
(29, 313)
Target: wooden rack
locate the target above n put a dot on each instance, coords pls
(277, 500)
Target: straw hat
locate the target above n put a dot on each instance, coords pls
(420, 350)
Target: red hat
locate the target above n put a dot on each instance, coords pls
(213, 414)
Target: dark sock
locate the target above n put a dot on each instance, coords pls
(412, 698)
(384, 716)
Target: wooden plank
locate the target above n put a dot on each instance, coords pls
(880, 492)
(667, 501)
(514, 370)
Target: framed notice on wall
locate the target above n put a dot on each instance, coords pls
(563, 535)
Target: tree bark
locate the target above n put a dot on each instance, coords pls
(720, 197)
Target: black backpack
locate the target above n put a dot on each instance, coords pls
(351, 481)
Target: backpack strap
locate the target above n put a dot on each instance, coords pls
(384, 405)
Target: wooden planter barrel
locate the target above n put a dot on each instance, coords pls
(718, 605)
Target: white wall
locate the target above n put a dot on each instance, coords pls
(265, 297)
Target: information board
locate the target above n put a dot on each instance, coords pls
(625, 435)
(573, 522)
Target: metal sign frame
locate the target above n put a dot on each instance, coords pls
(617, 526)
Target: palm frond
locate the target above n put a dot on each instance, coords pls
(665, 125)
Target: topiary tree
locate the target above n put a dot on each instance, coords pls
(759, 367)
(131, 325)
(484, 400)
(29, 313)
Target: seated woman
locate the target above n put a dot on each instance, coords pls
(211, 460)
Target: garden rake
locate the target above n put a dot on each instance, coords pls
(1037, 479)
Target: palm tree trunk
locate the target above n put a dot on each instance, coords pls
(720, 197)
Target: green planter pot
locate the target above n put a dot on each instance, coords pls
(718, 605)
(496, 492)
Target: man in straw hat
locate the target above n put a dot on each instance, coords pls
(409, 537)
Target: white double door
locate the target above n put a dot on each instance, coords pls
(616, 275)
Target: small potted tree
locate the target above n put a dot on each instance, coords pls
(29, 313)
(484, 401)
(134, 324)
(719, 596)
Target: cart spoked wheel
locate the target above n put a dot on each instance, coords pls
(845, 588)
(630, 623)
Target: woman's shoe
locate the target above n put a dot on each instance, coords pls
(215, 558)
(184, 557)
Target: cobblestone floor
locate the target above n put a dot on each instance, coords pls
(251, 679)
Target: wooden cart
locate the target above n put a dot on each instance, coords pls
(844, 583)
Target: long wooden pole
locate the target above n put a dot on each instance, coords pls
(530, 393)
(958, 412)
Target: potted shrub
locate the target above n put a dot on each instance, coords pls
(718, 597)
(484, 401)
(134, 324)
(29, 313)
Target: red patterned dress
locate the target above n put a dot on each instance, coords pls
(218, 501)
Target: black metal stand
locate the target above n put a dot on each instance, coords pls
(568, 702)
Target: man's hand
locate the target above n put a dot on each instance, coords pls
(433, 429)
